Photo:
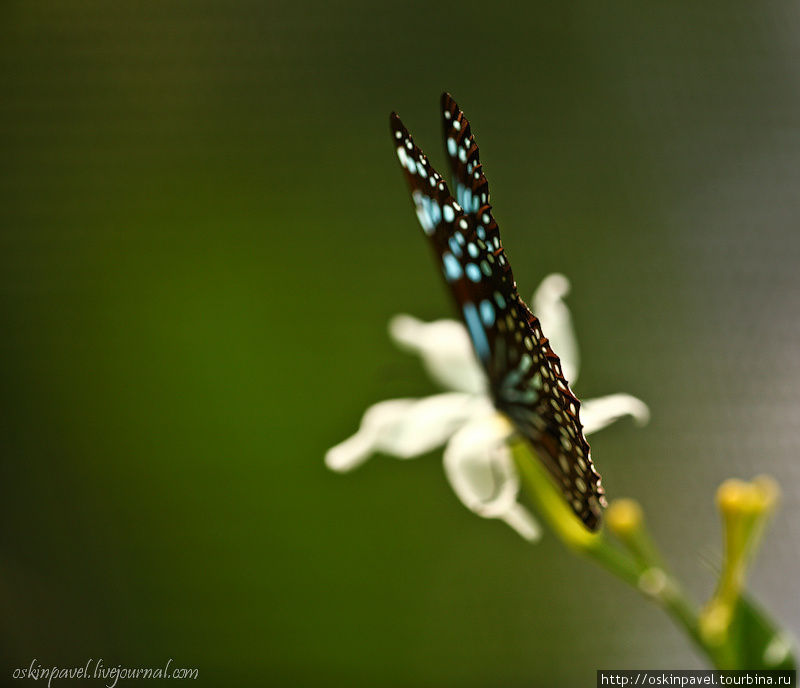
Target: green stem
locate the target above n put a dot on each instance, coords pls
(743, 637)
(641, 567)
(614, 561)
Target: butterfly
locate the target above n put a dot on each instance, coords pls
(525, 377)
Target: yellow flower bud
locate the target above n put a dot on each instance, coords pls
(624, 517)
(745, 509)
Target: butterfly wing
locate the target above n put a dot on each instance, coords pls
(463, 156)
(524, 373)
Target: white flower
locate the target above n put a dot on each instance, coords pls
(477, 459)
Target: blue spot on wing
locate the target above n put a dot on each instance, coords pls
(466, 199)
(487, 313)
(452, 268)
(428, 211)
(476, 331)
(463, 196)
(473, 272)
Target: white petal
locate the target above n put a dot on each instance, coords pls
(356, 449)
(446, 351)
(598, 413)
(405, 428)
(521, 520)
(481, 471)
(548, 305)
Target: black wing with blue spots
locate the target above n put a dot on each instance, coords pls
(525, 375)
(463, 156)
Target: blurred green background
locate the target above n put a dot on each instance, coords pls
(203, 235)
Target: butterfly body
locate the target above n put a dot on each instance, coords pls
(525, 377)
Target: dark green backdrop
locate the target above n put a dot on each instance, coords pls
(203, 233)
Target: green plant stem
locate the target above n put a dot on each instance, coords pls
(748, 634)
(629, 566)
(614, 561)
